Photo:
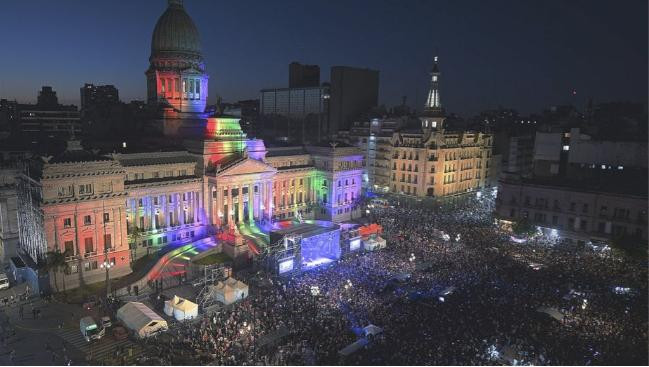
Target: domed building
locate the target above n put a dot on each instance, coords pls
(203, 176)
(176, 78)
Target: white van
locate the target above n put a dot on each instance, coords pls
(90, 330)
(4, 281)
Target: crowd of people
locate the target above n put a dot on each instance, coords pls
(451, 288)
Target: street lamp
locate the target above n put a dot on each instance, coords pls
(315, 290)
(348, 284)
(107, 265)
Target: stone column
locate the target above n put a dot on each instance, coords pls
(255, 200)
(230, 206)
(262, 199)
(208, 206)
(217, 205)
(240, 198)
(251, 203)
(177, 208)
(269, 201)
(183, 204)
(196, 204)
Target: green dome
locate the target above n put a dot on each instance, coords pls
(175, 32)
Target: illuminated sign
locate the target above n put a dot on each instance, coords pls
(355, 244)
(285, 265)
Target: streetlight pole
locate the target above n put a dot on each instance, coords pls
(106, 265)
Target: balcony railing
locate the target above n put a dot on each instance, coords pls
(70, 258)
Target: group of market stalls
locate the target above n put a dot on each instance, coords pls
(144, 322)
(367, 237)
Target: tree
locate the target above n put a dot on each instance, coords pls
(134, 233)
(523, 228)
(56, 262)
(630, 246)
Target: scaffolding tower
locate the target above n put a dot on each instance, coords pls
(288, 246)
(30, 218)
(211, 274)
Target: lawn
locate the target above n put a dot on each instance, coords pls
(143, 262)
(216, 258)
(80, 294)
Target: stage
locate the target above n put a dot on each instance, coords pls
(307, 245)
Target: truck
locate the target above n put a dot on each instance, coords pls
(4, 281)
(90, 329)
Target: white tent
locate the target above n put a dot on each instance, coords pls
(142, 320)
(448, 290)
(376, 243)
(552, 312)
(229, 291)
(239, 287)
(372, 329)
(181, 308)
(353, 347)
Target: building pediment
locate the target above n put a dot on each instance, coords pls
(247, 166)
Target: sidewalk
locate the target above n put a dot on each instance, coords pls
(37, 341)
(52, 314)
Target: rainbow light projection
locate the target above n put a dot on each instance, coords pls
(174, 262)
(321, 186)
(252, 232)
(167, 233)
(224, 139)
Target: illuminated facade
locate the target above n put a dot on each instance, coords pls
(82, 215)
(177, 83)
(427, 160)
(115, 208)
(164, 199)
(441, 164)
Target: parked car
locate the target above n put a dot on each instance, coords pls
(4, 281)
(91, 303)
(106, 322)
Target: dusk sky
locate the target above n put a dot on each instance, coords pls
(520, 54)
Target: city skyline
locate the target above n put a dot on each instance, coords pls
(243, 60)
(499, 219)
